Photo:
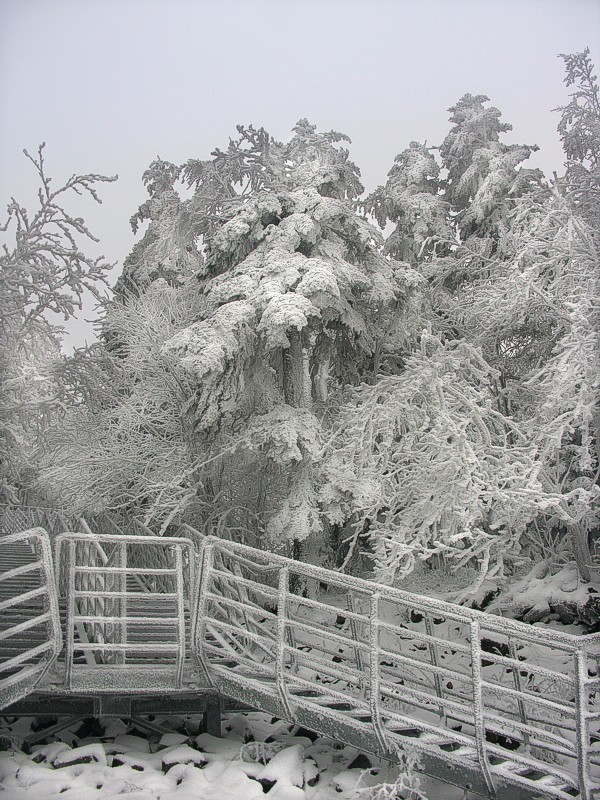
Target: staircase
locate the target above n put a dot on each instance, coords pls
(30, 636)
(502, 708)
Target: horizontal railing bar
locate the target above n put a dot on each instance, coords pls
(317, 605)
(23, 626)
(335, 669)
(24, 569)
(244, 608)
(130, 538)
(239, 580)
(138, 647)
(407, 633)
(23, 598)
(138, 595)
(531, 697)
(99, 620)
(97, 570)
(425, 665)
(461, 614)
(249, 563)
(25, 656)
(527, 666)
(331, 635)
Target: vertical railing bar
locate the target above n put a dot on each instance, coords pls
(436, 676)
(180, 616)
(70, 626)
(354, 631)
(282, 600)
(519, 687)
(581, 724)
(51, 593)
(374, 675)
(479, 722)
(121, 602)
(201, 618)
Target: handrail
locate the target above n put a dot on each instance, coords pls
(120, 621)
(22, 675)
(514, 706)
(385, 665)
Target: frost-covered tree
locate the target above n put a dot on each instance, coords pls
(516, 283)
(413, 201)
(579, 128)
(125, 443)
(291, 299)
(483, 174)
(168, 248)
(43, 277)
(425, 464)
(299, 298)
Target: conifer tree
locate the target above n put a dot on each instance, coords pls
(299, 297)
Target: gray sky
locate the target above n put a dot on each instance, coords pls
(111, 84)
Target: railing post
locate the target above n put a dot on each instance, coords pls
(284, 580)
(512, 650)
(70, 628)
(180, 616)
(354, 631)
(479, 721)
(374, 682)
(122, 602)
(51, 601)
(581, 723)
(436, 675)
(199, 617)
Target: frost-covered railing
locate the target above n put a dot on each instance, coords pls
(125, 608)
(30, 635)
(513, 706)
(14, 519)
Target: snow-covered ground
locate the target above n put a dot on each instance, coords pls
(257, 756)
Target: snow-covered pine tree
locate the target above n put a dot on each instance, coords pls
(411, 199)
(299, 300)
(168, 248)
(579, 129)
(224, 364)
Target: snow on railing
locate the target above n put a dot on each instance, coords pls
(30, 635)
(126, 607)
(519, 704)
(14, 519)
(513, 705)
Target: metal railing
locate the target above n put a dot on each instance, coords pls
(125, 607)
(516, 705)
(30, 635)
(14, 519)
(510, 709)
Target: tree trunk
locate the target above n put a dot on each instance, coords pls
(296, 376)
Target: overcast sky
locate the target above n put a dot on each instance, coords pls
(111, 84)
